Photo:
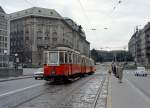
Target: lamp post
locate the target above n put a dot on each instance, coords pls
(5, 60)
(16, 61)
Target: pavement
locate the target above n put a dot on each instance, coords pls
(15, 78)
(27, 73)
(126, 95)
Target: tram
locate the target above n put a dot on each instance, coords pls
(64, 63)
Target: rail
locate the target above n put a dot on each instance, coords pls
(98, 94)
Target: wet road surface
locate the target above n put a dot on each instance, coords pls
(30, 93)
(12, 85)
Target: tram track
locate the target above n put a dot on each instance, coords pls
(52, 95)
(64, 104)
(98, 94)
(70, 88)
(71, 91)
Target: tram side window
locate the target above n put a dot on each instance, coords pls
(79, 59)
(87, 62)
(83, 62)
(66, 57)
(70, 58)
(61, 57)
(74, 59)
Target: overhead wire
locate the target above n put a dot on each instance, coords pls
(84, 12)
(28, 2)
(87, 18)
(118, 3)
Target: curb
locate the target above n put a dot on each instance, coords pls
(109, 96)
(9, 79)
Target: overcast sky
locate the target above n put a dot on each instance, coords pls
(120, 18)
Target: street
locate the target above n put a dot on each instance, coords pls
(88, 92)
(134, 92)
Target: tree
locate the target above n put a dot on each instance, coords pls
(94, 55)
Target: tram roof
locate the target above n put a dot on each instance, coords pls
(64, 49)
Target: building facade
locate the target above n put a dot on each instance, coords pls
(4, 49)
(139, 45)
(37, 29)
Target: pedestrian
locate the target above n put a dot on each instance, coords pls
(113, 68)
(109, 69)
(116, 70)
(120, 72)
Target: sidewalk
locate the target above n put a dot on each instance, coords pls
(14, 78)
(27, 73)
(124, 95)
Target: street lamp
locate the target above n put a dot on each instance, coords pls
(5, 60)
(16, 61)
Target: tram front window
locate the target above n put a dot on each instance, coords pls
(53, 58)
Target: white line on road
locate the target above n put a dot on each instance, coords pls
(19, 90)
(146, 98)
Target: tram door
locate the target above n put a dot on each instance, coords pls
(69, 57)
(83, 66)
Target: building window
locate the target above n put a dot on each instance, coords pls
(46, 38)
(54, 34)
(27, 38)
(51, 13)
(5, 38)
(39, 38)
(5, 45)
(54, 39)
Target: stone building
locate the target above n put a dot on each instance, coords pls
(132, 45)
(4, 49)
(139, 45)
(36, 29)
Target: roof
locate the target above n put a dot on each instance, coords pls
(74, 26)
(35, 11)
(1, 10)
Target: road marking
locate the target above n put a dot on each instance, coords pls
(19, 90)
(146, 98)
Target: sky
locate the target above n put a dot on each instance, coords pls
(108, 24)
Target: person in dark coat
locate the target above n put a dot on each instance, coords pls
(113, 65)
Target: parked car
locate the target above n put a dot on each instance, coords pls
(39, 74)
(140, 71)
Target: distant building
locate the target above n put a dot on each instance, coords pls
(37, 29)
(139, 45)
(4, 47)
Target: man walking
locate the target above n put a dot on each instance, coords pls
(113, 65)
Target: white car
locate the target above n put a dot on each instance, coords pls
(140, 71)
(39, 74)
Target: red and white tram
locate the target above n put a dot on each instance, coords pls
(65, 63)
